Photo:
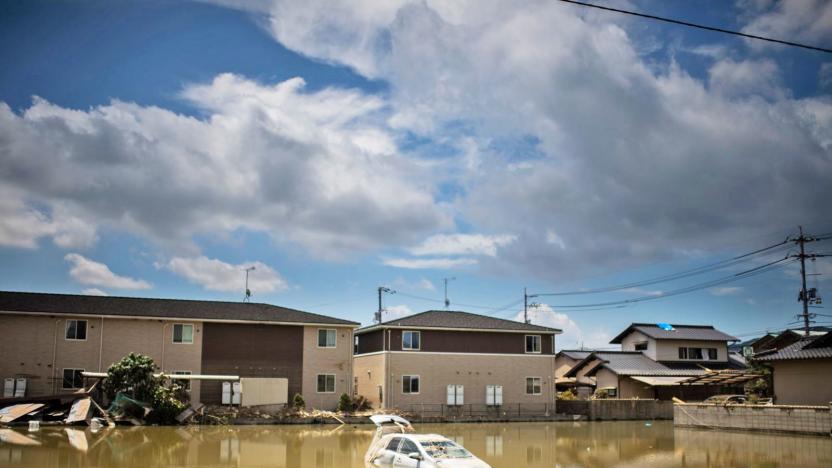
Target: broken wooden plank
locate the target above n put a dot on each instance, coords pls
(80, 411)
(14, 412)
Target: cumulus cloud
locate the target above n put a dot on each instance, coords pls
(747, 78)
(216, 275)
(396, 312)
(317, 169)
(573, 336)
(803, 21)
(462, 244)
(93, 292)
(92, 273)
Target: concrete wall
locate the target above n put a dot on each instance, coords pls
(264, 391)
(803, 382)
(337, 360)
(668, 350)
(795, 419)
(475, 372)
(369, 372)
(30, 343)
(629, 344)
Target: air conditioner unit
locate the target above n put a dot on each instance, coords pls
(8, 388)
(20, 388)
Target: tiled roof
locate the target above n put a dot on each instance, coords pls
(636, 363)
(69, 304)
(811, 347)
(458, 319)
(679, 332)
(574, 354)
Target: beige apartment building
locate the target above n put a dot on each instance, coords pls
(454, 358)
(49, 339)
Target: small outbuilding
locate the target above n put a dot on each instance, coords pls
(801, 371)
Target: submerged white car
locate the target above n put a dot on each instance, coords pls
(395, 445)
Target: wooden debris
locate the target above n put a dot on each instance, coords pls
(80, 411)
(14, 412)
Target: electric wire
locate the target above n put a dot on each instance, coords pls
(699, 26)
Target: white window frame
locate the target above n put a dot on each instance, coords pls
(334, 338)
(539, 344)
(317, 381)
(418, 333)
(411, 392)
(187, 383)
(173, 333)
(86, 329)
(539, 386)
(63, 380)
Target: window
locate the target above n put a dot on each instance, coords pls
(533, 343)
(411, 340)
(186, 384)
(683, 353)
(326, 383)
(73, 379)
(355, 345)
(393, 445)
(410, 384)
(326, 338)
(642, 346)
(407, 446)
(695, 353)
(76, 330)
(183, 333)
(533, 386)
(712, 354)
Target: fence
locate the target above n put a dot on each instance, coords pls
(615, 409)
(480, 411)
(779, 418)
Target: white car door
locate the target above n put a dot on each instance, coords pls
(403, 459)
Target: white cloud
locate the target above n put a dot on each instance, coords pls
(747, 78)
(553, 238)
(572, 336)
(396, 312)
(421, 283)
(93, 292)
(429, 263)
(644, 292)
(462, 244)
(319, 169)
(92, 273)
(216, 275)
(725, 290)
(808, 21)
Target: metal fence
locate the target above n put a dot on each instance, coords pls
(479, 410)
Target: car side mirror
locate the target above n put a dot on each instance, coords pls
(414, 455)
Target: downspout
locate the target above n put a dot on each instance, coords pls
(162, 367)
(388, 379)
(101, 345)
(55, 355)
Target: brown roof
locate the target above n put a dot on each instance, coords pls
(70, 304)
(679, 332)
(637, 363)
(458, 319)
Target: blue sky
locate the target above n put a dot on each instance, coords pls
(157, 148)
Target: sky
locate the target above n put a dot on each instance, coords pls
(158, 149)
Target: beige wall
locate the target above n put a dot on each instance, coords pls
(29, 343)
(629, 344)
(606, 378)
(337, 360)
(803, 382)
(437, 370)
(563, 364)
(368, 369)
(630, 388)
(668, 350)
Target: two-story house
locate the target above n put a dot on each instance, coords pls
(655, 358)
(454, 358)
(49, 340)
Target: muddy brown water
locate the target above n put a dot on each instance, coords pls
(596, 444)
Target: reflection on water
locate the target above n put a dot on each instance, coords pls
(623, 444)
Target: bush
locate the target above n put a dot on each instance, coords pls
(298, 402)
(360, 403)
(166, 405)
(567, 395)
(133, 376)
(345, 404)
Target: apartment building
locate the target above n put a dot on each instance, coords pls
(49, 339)
(454, 358)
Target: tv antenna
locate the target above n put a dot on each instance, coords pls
(247, 298)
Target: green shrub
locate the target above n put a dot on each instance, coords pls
(360, 403)
(298, 402)
(133, 376)
(345, 404)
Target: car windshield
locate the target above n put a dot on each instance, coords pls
(439, 449)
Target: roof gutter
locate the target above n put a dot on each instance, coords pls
(551, 331)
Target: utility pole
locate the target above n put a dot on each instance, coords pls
(247, 297)
(806, 296)
(381, 289)
(447, 302)
(527, 304)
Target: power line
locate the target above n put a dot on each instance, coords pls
(671, 277)
(699, 26)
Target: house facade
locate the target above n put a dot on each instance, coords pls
(655, 359)
(454, 358)
(51, 338)
(801, 371)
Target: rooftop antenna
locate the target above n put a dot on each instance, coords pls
(248, 291)
(381, 290)
(447, 302)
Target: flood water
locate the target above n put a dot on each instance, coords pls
(630, 444)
